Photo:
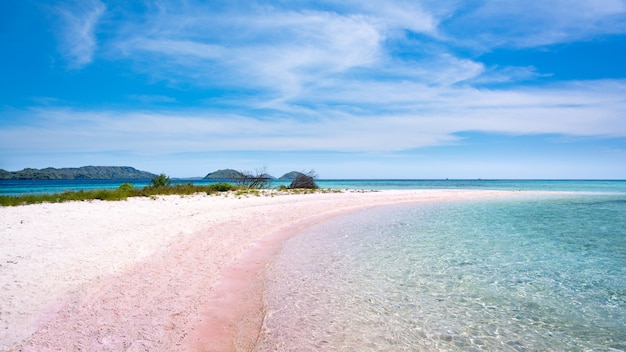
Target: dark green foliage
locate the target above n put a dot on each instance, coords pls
(126, 187)
(161, 180)
(220, 187)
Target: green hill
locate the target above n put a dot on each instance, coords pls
(290, 176)
(225, 174)
(80, 173)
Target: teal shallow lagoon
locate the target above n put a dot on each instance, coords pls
(521, 273)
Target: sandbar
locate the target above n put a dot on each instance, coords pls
(170, 273)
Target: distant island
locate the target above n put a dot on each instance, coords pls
(290, 176)
(225, 174)
(80, 173)
(120, 173)
(230, 174)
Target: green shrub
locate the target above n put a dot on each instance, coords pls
(220, 187)
(160, 181)
(126, 187)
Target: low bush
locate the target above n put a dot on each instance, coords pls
(126, 187)
(220, 187)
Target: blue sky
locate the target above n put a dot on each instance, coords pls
(352, 89)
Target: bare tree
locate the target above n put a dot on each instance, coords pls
(260, 179)
(304, 180)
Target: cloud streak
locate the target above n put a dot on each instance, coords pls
(533, 23)
(77, 38)
(276, 50)
(413, 122)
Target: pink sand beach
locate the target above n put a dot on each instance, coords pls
(167, 274)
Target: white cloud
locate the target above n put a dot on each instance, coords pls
(77, 38)
(419, 116)
(276, 50)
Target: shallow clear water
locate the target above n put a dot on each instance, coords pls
(516, 274)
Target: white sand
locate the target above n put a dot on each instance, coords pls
(167, 274)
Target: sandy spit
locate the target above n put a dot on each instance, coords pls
(167, 274)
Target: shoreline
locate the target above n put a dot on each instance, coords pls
(157, 274)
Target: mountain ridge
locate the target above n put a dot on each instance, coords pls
(77, 173)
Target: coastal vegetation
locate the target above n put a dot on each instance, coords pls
(161, 180)
(124, 191)
(256, 184)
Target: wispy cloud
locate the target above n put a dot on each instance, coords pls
(77, 39)
(532, 23)
(278, 50)
(283, 48)
(417, 118)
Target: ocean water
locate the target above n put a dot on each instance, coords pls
(18, 187)
(521, 273)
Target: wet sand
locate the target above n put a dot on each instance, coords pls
(167, 274)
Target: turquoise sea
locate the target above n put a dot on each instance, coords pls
(520, 273)
(17, 187)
